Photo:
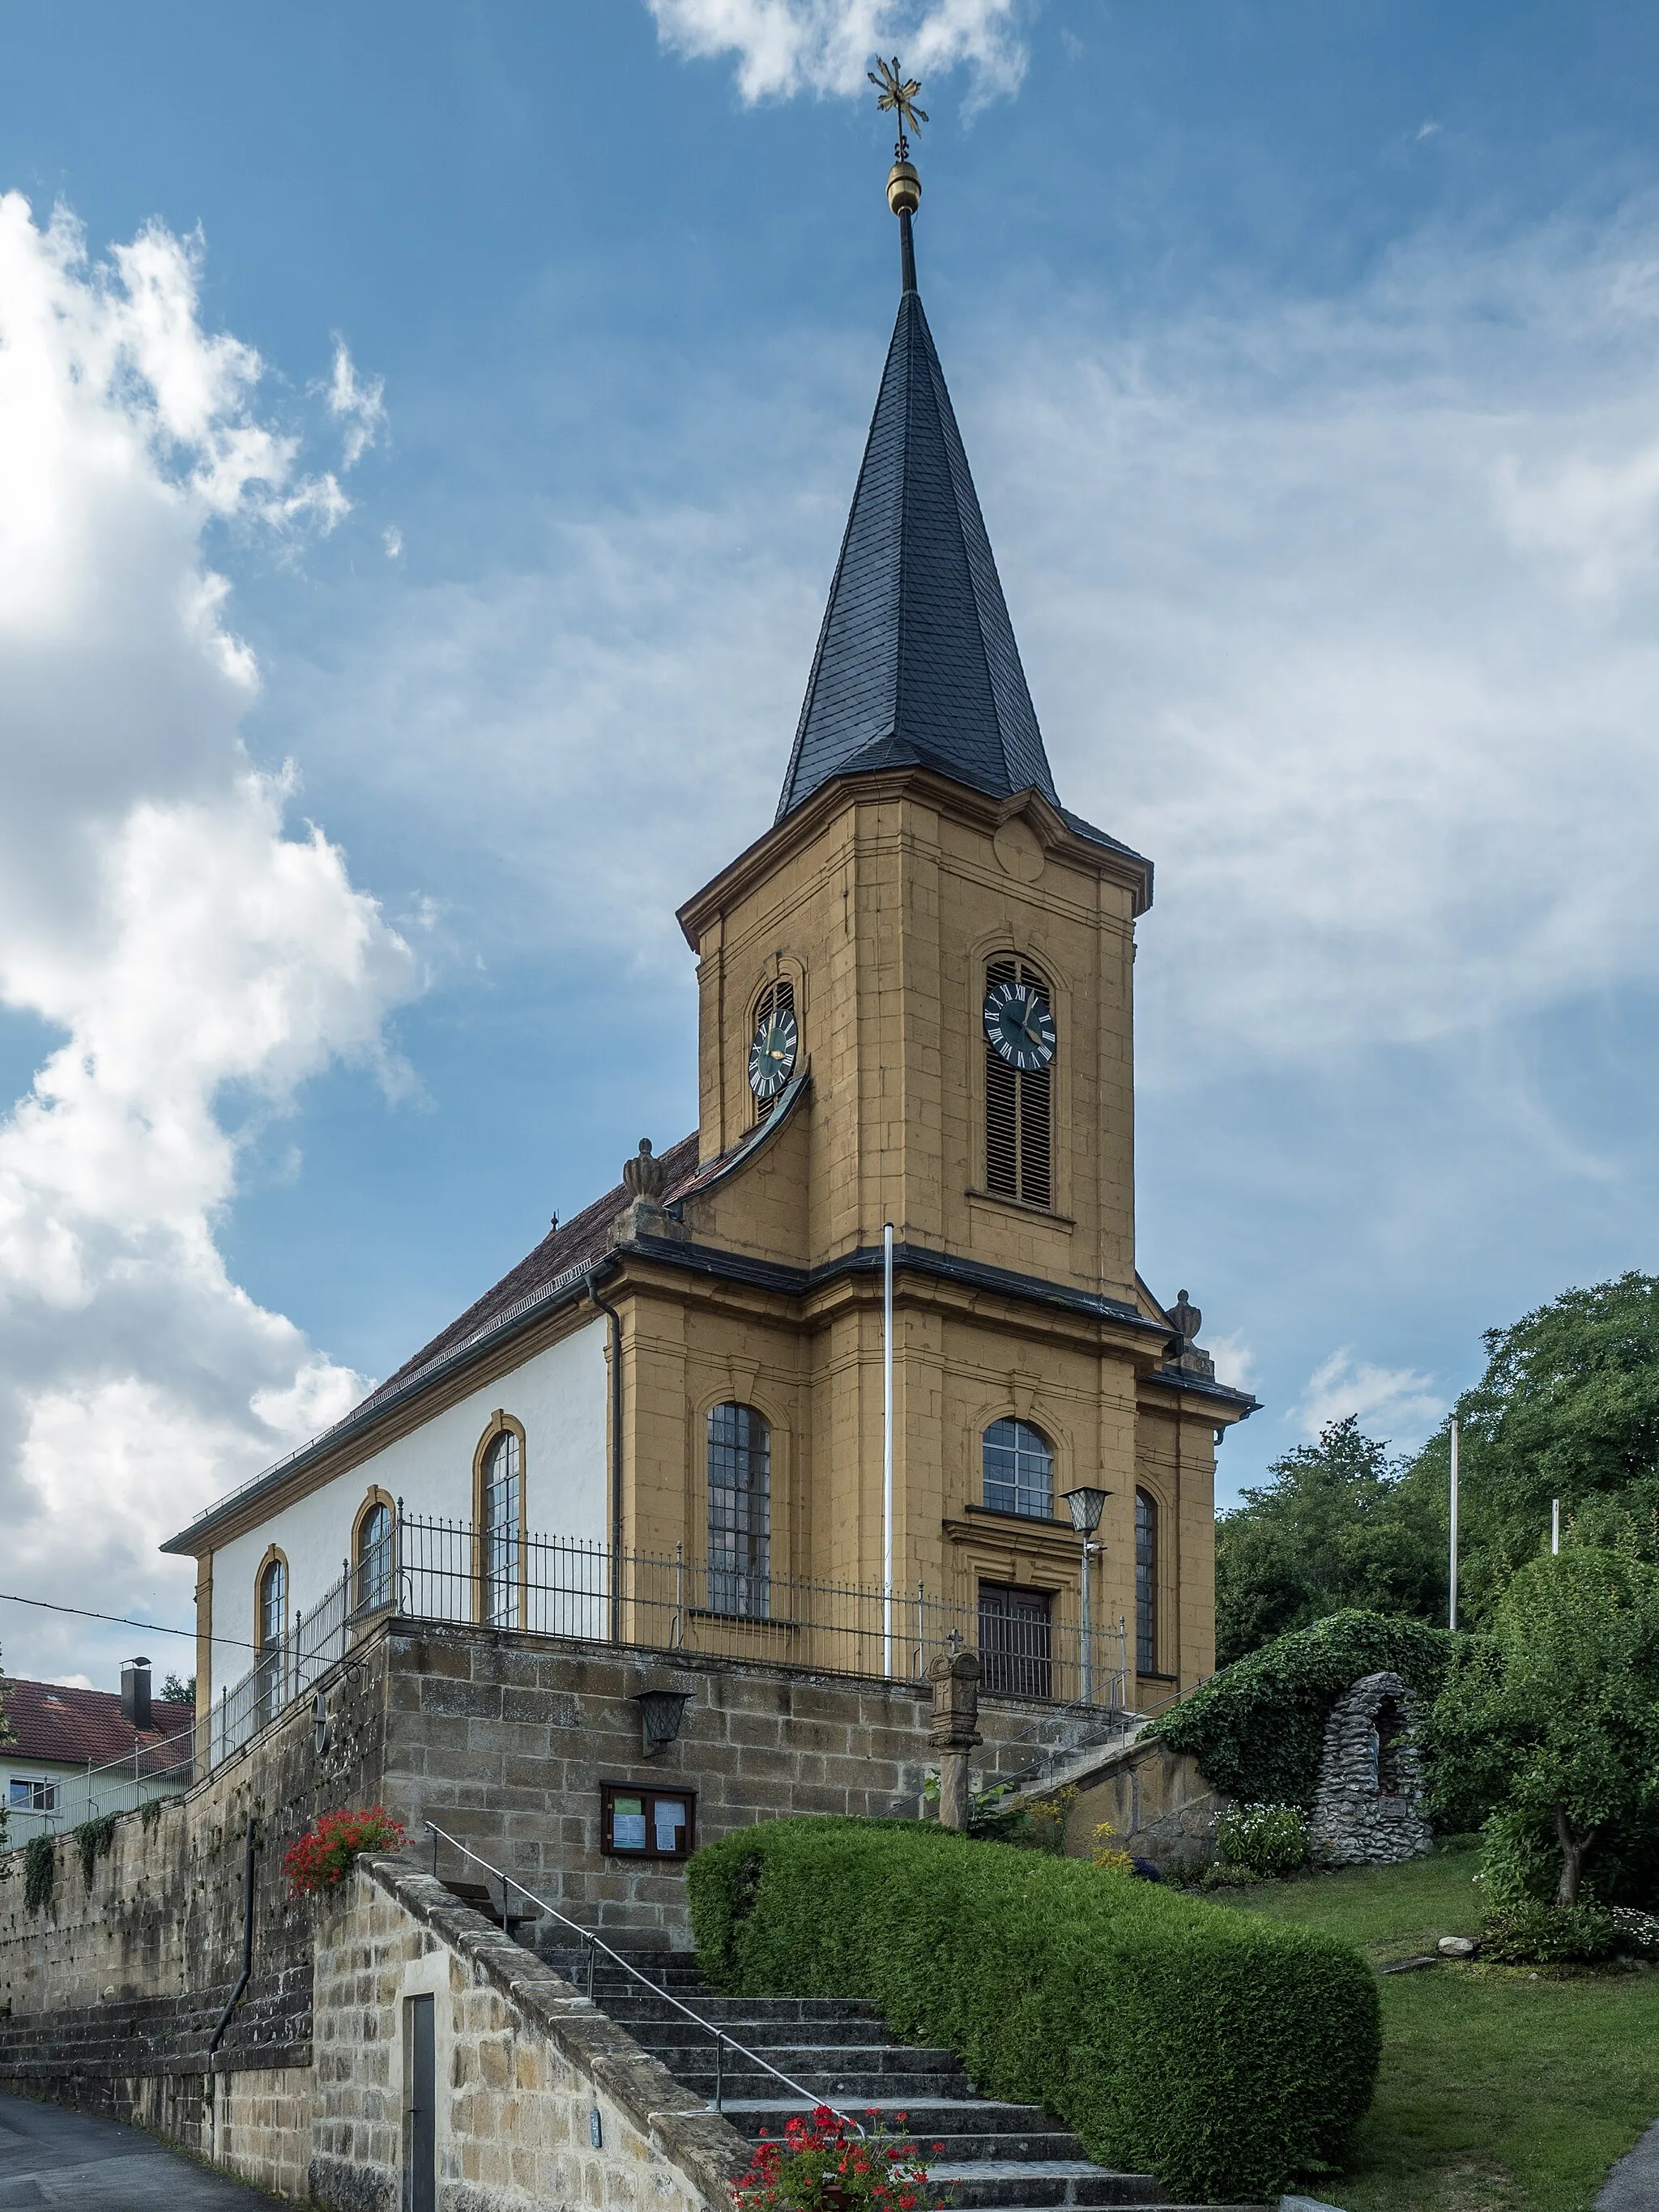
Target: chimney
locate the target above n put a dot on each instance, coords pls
(135, 1694)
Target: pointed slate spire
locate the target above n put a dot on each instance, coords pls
(916, 661)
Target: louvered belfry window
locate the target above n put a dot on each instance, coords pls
(1019, 1108)
(778, 998)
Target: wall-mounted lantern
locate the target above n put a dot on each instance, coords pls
(660, 1714)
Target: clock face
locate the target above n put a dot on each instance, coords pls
(1018, 1026)
(772, 1055)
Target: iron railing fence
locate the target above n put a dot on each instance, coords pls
(65, 1800)
(1031, 1644)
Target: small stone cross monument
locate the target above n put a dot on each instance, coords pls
(954, 1676)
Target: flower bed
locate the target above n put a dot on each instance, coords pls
(823, 2164)
(325, 1854)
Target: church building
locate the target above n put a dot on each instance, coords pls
(864, 1361)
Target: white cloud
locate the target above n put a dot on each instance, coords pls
(1235, 1360)
(788, 46)
(392, 538)
(359, 406)
(1393, 1403)
(1346, 613)
(158, 913)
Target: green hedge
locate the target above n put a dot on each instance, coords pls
(1256, 1728)
(1223, 2052)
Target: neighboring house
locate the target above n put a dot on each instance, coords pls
(75, 1754)
(667, 1425)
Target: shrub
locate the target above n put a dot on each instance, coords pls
(1529, 1934)
(1267, 1841)
(95, 1840)
(1257, 1730)
(1636, 1931)
(1108, 1853)
(824, 2166)
(1223, 2052)
(40, 1872)
(325, 1854)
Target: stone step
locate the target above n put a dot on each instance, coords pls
(928, 2120)
(851, 2091)
(836, 2033)
(764, 2014)
(989, 2184)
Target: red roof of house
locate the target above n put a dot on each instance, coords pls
(48, 1721)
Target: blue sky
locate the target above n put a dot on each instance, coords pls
(1304, 358)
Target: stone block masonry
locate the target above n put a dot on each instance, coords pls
(1369, 1809)
(109, 1993)
(524, 2063)
(504, 1741)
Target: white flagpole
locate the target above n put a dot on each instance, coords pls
(1555, 1525)
(1451, 1613)
(887, 1449)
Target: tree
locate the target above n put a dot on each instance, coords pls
(1554, 1719)
(1568, 1408)
(1337, 1526)
(178, 1690)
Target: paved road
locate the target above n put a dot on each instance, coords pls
(49, 2156)
(1634, 2184)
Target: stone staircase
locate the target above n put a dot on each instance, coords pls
(996, 2157)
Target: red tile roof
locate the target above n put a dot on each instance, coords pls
(51, 1721)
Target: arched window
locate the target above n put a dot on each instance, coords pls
(374, 1558)
(501, 1508)
(740, 1511)
(1020, 1470)
(270, 1629)
(1019, 1102)
(1145, 1584)
(776, 1002)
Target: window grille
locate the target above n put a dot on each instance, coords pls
(778, 998)
(503, 1503)
(1019, 1108)
(1145, 1584)
(1019, 1470)
(272, 1627)
(375, 1558)
(1015, 1641)
(740, 1512)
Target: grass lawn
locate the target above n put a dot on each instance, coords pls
(1498, 2092)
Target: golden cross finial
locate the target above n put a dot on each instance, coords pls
(898, 94)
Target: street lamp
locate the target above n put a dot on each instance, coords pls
(1085, 1506)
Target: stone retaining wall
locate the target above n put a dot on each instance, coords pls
(503, 1741)
(524, 2061)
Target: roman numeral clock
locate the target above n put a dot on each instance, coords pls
(1018, 1026)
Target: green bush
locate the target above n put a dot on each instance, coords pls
(40, 1872)
(1267, 1841)
(1527, 1933)
(1223, 2052)
(1256, 1730)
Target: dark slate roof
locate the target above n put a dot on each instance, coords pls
(916, 663)
(79, 1727)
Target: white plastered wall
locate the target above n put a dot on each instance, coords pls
(560, 1396)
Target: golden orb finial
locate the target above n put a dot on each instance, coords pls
(903, 189)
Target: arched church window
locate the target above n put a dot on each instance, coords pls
(774, 1045)
(740, 1511)
(270, 1627)
(374, 1557)
(501, 1503)
(1019, 1470)
(1019, 1082)
(1145, 1584)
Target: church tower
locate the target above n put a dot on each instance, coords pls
(916, 1010)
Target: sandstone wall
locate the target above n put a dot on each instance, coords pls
(503, 1742)
(522, 2065)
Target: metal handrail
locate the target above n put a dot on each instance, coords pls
(723, 2042)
